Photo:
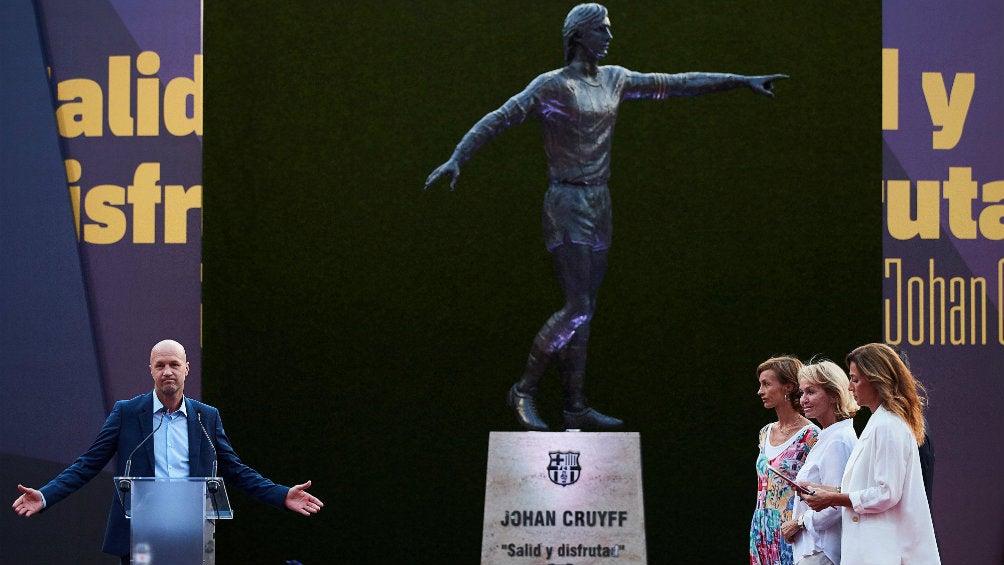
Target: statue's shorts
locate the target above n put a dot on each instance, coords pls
(577, 214)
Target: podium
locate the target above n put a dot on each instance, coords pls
(172, 521)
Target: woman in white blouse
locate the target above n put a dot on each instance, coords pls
(886, 518)
(826, 398)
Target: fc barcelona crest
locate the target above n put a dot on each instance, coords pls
(564, 469)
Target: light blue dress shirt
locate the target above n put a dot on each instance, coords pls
(170, 442)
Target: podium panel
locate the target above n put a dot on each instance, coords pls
(168, 522)
(563, 498)
(172, 521)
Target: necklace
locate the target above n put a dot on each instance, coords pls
(789, 428)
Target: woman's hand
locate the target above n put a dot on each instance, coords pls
(789, 530)
(818, 487)
(817, 501)
(823, 499)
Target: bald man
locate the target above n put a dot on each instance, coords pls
(176, 418)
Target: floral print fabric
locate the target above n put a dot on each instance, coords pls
(775, 499)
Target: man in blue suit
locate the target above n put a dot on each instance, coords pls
(182, 429)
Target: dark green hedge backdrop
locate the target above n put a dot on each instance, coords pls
(361, 333)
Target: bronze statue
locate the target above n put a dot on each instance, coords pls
(577, 106)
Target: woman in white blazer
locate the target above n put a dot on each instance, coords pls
(886, 519)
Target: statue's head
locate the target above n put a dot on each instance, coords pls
(582, 17)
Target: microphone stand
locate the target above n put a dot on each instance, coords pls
(125, 484)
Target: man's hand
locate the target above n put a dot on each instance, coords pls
(299, 500)
(30, 502)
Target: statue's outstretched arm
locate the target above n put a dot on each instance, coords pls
(513, 112)
(692, 84)
(484, 131)
(660, 85)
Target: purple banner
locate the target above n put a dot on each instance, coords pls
(126, 79)
(943, 285)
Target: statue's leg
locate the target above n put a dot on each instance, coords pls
(573, 263)
(571, 361)
(577, 413)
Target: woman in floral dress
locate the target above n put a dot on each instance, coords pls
(784, 445)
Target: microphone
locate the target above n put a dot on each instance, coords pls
(211, 485)
(125, 484)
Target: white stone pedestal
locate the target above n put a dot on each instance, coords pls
(563, 498)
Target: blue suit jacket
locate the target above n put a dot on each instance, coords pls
(129, 422)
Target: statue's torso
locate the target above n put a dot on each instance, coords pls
(577, 116)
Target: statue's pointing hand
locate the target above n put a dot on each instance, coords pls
(765, 84)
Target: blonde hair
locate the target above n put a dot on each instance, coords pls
(833, 380)
(899, 391)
